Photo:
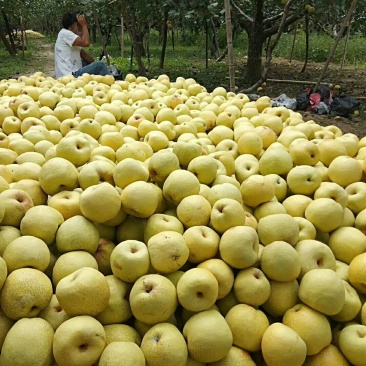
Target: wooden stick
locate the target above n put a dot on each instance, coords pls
(303, 82)
(346, 44)
(294, 41)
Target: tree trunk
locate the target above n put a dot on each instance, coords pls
(255, 48)
(94, 33)
(256, 40)
(140, 38)
(6, 42)
(165, 40)
(131, 26)
(8, 30)
(215, 49)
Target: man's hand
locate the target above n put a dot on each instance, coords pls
(81, 20)
(83, 40)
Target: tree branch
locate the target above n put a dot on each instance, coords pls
(289, 20)
(272, 18)
(247, 20)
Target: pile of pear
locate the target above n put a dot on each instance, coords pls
(152, 222)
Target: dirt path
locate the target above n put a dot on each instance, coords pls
(43, 60)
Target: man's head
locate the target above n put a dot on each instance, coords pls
(69, 20)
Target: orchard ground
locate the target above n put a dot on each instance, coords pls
(352, 81)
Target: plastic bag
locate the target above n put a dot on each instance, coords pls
(325, 93)
(344, 106)
(322, 108)
(303, 100)
(114, 72)
(284, 101)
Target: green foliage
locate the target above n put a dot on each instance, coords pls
(320, 46)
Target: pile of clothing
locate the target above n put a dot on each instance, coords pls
(323, 100)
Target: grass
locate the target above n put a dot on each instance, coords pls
(16, 65)
(319, 47)
(11, 65)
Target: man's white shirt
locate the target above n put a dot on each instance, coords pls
(67, 56)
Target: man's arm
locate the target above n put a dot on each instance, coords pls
(84, 39)
(86, 57)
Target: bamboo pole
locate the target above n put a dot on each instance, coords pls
(336, 42)
(346, 44)
(206, 43)
(230, 48)
(294, 41)
(122, 37)
(22, 30)
(306, 44)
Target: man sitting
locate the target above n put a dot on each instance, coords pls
(70, 58)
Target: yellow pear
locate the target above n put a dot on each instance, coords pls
(121, 333)
(28, 341)
(164, 344)
(248, 326)
(328, 356)
(33, 188)
(69, 262)
(79, 341)
(25, 293)
(153, 299)
(251, 287)
(180, 184)
(312, 326)
(7, 235)
(42, 222)
(27, 251)
(83, 292)
(53, 313)
(202, 242)
(323, 290)
(140, 199)
(77, 233)
(197, 289)
(122, 354)
(281, 345)
(208, 336)
(277, 227)
(283, 296)
(118, 309)
(168, 251)
(280, 261)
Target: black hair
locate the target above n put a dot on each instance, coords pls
(69, 19)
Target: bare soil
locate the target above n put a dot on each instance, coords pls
(43, 60)
(352, 81)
